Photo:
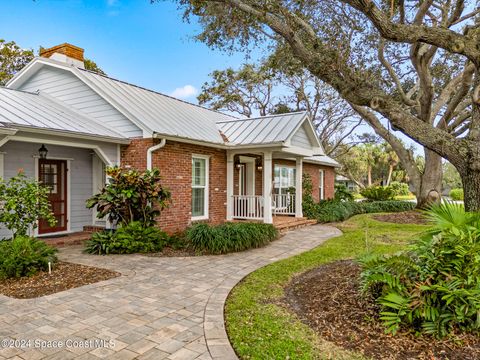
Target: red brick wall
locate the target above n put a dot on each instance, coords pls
(175, 163)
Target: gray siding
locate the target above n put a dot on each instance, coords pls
(66, 87)
(20, 155)
(301, 139)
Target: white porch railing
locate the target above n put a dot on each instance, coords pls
(283, 204)
(248, 207)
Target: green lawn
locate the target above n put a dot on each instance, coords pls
(260, 328)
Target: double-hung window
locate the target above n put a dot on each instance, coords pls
(284, 179)
(199, 187)
(321, 185)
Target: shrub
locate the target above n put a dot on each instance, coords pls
(24, 256)
(23, 202)
(308, 203)
(342, 193)
(434, 287)
(378, 193)
(131, 196)
(133, 238)
(400, 189)
(230, 237)
(333, 211)
(456, 194)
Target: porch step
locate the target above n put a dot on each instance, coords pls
(286, 223)
(77, 238)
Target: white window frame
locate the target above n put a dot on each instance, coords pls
(280, 177)
(321, 184)
(206, 186)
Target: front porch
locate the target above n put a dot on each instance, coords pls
(263, 186)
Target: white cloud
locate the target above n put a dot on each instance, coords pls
(184, 92)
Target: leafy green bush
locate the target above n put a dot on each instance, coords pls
(23, 202)
(230, 237)
(308, 202)
(333, 210)
(400, 189)
(342, 193)
(378, 193)
(24, 256)
(131, 196)
(434, 287)
(456, 194)
(133, 238)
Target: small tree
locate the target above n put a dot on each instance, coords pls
(131, 195)
(23, 202)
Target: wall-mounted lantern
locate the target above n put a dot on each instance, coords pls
(42, 152)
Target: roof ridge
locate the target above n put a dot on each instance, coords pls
(155, 92)
(265, 116)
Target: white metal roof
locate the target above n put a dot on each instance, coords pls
(32, 110)
(263, 130)
(322, 160)
(160, 113)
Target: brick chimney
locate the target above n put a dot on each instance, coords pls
(66, 53)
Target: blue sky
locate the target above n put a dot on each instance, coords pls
(148, 45)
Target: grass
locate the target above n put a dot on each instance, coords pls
(405, 197)
(260, 328)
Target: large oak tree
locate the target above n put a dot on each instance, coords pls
(412, 66)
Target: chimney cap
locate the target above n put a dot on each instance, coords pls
(66, 50)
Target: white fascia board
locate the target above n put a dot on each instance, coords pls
(73, 135)
(7, 131)
(296, 150)
(312, 135)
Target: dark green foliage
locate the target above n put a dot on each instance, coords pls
(378, 193)
(434, 287)
(309, 206)
(230, 237)
(131, 196)
(24, 256)
(342, 193)
(400, 188)
(333, 210)
(133, 238)
(456, 194)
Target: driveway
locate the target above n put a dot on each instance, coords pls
(160, 308)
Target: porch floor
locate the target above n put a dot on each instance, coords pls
(286, 223)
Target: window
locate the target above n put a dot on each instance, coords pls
(284, 179)
(199, 187)
(321, 190)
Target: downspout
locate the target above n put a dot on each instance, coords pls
(150, 151)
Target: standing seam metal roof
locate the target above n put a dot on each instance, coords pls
(34, 110)
(160, 113)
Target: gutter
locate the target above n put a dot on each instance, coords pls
(153, 148)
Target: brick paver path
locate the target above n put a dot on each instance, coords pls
(160, 308)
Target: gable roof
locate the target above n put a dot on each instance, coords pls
(26, 110)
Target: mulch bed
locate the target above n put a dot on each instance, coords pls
(64, 276)
(327, 299)
(406, 217)
(171, 252)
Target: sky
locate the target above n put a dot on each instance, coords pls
(132, 40)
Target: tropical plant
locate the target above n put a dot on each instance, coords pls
(434, 287)
(129, 239)
(400, 189)
(230, 237)
(456, 194)
(24, 256)
(308, 202)
(131, 196)
(23, 202)
(378, 193)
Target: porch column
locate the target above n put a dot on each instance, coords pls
(298, 187)
(267, 187)
(230, 169)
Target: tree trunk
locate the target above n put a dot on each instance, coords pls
(390, 172)
(369, 176)
(471, 190)
(430, 188)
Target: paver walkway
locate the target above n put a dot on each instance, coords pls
(160, 308)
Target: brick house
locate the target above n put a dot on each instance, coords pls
(63, 125)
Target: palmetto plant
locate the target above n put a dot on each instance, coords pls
(434, 287)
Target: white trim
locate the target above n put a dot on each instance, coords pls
(230, 177)
(54, 158)
(69, 197)
(298, 187)
(267, 187)
(1, 166)
(119, 155)
(206, 186)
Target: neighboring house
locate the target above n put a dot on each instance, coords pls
(217, 167)
(349, 184)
